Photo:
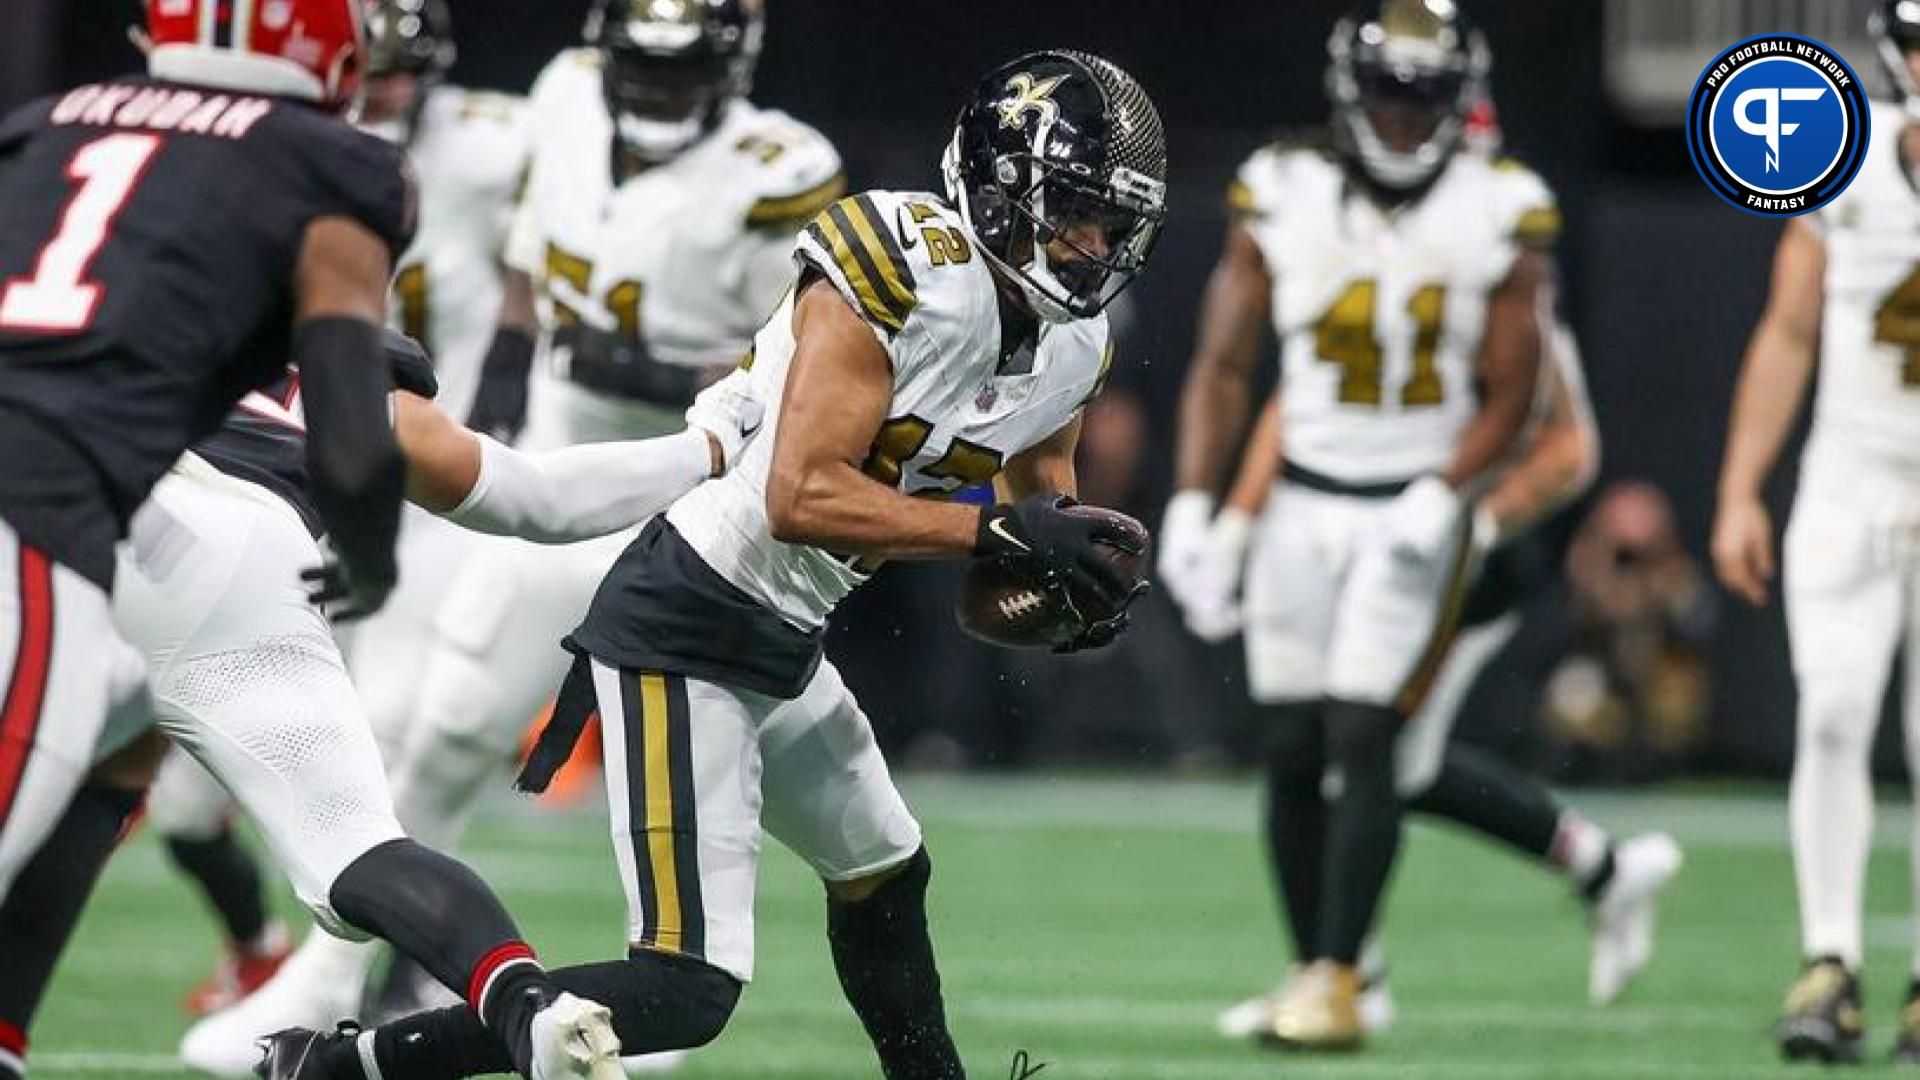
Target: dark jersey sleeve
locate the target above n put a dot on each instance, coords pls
(352, 174)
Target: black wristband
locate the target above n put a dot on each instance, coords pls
(509, 355)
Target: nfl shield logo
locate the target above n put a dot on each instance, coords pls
(986, 397)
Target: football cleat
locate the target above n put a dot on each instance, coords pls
(1250, 1018)
(1906, 1048)
(573, 1038)
(240, 971)
(1624, 914)
(316, 987)
(1822, 1020)
(658, 1064)
(300, 1053)
(1320, 1011)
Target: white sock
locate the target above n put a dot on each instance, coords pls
(1830, 806)
(1580, 847)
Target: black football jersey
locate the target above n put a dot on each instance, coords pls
(264, 441)
(149, 235)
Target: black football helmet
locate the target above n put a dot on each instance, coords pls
(669, 68)
(404, 37)
(1895, 28)
(1402, 76)
(1061, 146)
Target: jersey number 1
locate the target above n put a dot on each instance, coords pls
(58, 298)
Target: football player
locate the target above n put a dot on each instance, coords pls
(243, 672)
(653, 235)
(136, 311)
(1619, 883)
(703, 645)
(1404, 280)
(466, 149)
(1846, 287)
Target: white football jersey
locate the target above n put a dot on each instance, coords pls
(1379, 312)
(688, 256)
(909, 266)
(1868, 397)
(468, 153)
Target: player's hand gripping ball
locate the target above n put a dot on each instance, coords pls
(1021, 601)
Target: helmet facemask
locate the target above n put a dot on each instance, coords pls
(669, 69)
(1895, 29)
(1400, 98)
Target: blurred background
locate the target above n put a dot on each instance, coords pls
(1634, 667)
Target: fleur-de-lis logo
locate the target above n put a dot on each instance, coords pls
(1029, 95)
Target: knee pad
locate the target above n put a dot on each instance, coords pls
(1837, 718)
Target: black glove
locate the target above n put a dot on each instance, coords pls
(344, 594)
(1099, 635)
(500, 402)
(1040, 526)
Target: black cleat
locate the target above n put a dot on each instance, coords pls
(1822, 1020)
(301, 1054)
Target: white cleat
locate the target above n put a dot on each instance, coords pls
(318, 986)
(1624, 916)
(655, 1064)
(573, 1039)
(1253, 1017)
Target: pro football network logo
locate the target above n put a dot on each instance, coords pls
(1778, 125)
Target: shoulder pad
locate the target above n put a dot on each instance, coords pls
(1526, 202)
(794, 172)
(853, 243)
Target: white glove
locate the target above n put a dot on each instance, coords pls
(1182, 543)
(730, 413)
(1214, 611)
(1422, 518)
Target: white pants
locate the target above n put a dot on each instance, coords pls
(1331, 612)
(695, 770)
(62, 664)
(493, 657)
(1852, 592)
(244, 673)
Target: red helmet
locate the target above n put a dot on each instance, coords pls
(308, 49)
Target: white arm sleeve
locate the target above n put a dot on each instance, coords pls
(580, 492)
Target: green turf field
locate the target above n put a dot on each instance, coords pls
(1099, 924)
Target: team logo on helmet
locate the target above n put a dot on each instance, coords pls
(1030, 95)
(1778, 125)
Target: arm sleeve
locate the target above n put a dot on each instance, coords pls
(580, 492)
(355, 469)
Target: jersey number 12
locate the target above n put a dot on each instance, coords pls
(58, 298)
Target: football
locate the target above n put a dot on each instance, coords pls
(1013, 602)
